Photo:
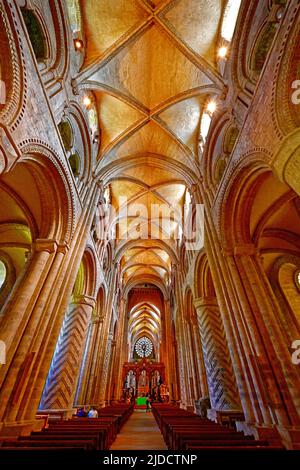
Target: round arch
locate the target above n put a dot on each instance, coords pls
(203, 282)
(55, 189)
(235, 205)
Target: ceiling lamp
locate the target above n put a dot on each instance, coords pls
(211, 107)
(222, 52)
(78, 44)
(87, 101)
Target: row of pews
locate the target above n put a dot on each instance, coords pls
(183, 430)
(75, 433)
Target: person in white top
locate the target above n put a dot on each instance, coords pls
(93, 413)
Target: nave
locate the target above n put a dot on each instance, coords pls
(140, 433)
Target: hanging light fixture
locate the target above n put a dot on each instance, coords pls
(222, 52)
(78, 44)
(211, 107)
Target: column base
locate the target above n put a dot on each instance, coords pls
(114, 401)
(20, 428)
(268, 433)
(290, 437)
(212, 415)
(190, 408)
(101, 404)
(225, 417)
(175, 403)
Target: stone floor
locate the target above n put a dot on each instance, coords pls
(140, 432)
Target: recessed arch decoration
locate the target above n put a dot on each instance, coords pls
(262, 46)
(203, 283)
(13, 96)
(86, 279)
(55, 188)
(66, 133)
(36, 34)
(232, 194)
(219, 169)
(285, 103)
(74, 160)
(230, 138)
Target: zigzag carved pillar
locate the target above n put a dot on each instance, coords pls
(202, 387)
(168, 332)
(106, 367)
(180, 336)
(61, 383)
(221, 383)
(116, 384)
(86, 383)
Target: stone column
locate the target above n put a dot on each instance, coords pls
(119, 358)
(60, 386)
(32, 320)
(203, 387)
(175, 383)
(232, 321)
(22, 327)
(181, 343)
(103, 365)
(190, 366)
(94, 394)
(182, 366)
(277, 387)
(106, 368)
(111, 383)
(222, 387)
(87, 378)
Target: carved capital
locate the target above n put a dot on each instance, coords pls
(204, 302)
(248, 249)
(43, 244)
(85, 300)
(63, 248)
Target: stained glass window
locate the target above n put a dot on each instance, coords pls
(3, 273)
(230, 17)
(297, 279)
(143, 347)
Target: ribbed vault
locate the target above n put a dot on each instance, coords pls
(152, 68)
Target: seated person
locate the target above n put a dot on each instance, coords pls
(93, 413)
(81, 413)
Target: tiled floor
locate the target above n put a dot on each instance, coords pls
(140, 432)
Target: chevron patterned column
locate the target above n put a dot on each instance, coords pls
(221, 382)
(86, 382)
(106, 367)
(62, 378)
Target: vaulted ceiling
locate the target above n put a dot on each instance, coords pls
(152, 66)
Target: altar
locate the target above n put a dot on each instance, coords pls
(144, 377)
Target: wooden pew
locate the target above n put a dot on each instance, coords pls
(75, 433)
(183, 430)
